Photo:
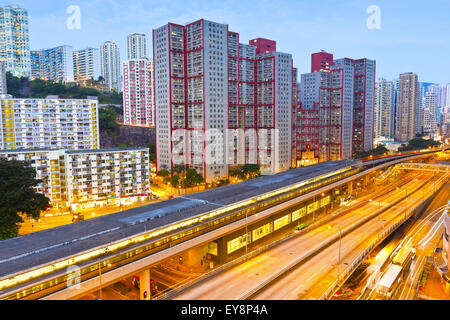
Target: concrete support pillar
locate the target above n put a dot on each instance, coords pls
(366, 180)
(144, 285)
(350, 187)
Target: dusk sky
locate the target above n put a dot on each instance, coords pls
(414, 35)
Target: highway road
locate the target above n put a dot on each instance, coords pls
(310, 280)
(237, 282)
(424, 234)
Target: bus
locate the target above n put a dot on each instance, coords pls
(153, 285)
(404, 259)
(389, 283)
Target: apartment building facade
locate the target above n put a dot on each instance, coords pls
(260, 99)
(384, 109)
(86, 64)
(218, 102)
(3, 86)
(137, 46)
(75, 177)
(408, 105)
(15, 40)
(428, 114)
(54, 64)
(49, 123)
(325, 112)
(138, 108)
(110, 65)
(364, 101)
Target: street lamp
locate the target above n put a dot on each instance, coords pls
(382, 223)
(100, 271)
(246, 231)
(340, 244)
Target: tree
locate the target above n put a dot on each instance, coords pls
(418, 144)
(163, 173)
(237, 173)
(18, 196)
(152, 152)
(247, 171)
(192, 178)
(251, 170)
(107, 120)
(22, 87)
(175, 181)
(378, 151)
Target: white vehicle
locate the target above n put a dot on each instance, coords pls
(389, 282)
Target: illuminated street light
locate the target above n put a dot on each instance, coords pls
(340, 244)
(100, 271)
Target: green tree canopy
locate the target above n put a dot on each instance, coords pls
(378, 151)
(247, 171)
(107, 119)
(163, 173)
(192, 178)
(38, 88)
(418, 144)
(17, 195)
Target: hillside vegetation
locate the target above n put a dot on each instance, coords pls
(26, 88)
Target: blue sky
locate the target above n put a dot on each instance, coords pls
(414, 35)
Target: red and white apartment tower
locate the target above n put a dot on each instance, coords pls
(220, 103)
(324, 113)
(138, 92)
(334, 115)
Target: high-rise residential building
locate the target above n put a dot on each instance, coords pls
(447, 97)
(137, 46)
(325, 115)
(219, 102)
(49, 123)
(75, 177)
(440, 91)
(138, 92)
(15, 41)
(138, 104)
(396, 87)
(384, 109)
(86, 64)
(364, 100)
(428, 116)
(3, 86)
(445, 122)
(260, 96)
(424, 87)
(321, 61)
(110, 65)
(294, 116)
(408, 105)
(54, 64)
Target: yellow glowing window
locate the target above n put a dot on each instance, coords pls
(324, 201)
(298, 214)
(281, 222)
(262, 231)
(313, 206)
(238, 243)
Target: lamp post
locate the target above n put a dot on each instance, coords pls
(340, 245)
(382, 224)
(100, 271)
(246, 231)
